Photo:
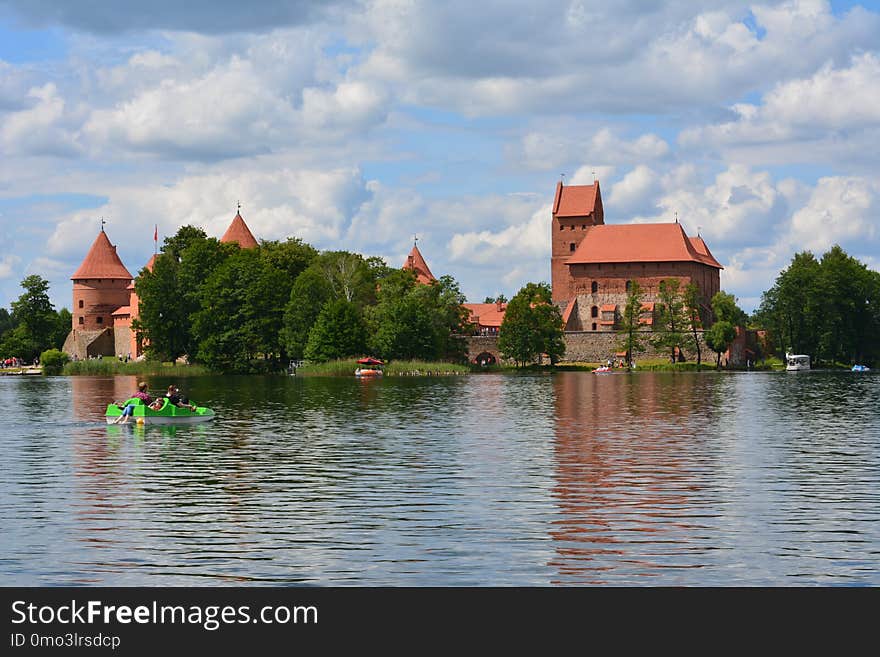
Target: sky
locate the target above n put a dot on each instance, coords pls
(359, 124)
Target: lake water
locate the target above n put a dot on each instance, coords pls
(564, 479)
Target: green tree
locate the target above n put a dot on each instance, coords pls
(791, 309)
(532, 325)
(338, 332)
(725, 309)
(35, 317)
(672, 318)
(693, 317)
(631, 340)
(226, 328)
(308, 295)
(185, 236)
(163, 321)
(718, 339)
(417, 321)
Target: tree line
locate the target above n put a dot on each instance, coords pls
(828, 308)
(32, 325)
(242, 310)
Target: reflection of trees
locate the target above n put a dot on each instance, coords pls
(626, 446)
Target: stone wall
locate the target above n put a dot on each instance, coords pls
(598, 347)
(84, 344)
(588, 347)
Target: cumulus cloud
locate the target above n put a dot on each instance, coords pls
(551, 148)
(313, 205)
(840, 210)
(8, 265)
(831, 104)
(42, 129)
(549, 58)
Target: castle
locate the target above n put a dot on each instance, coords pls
(105, 301)
(592, 268)
(593, 265)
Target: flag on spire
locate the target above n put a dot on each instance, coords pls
(156, 237)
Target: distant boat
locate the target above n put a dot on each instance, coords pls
(861, 368)
(603, 370)
(369, 367)
(797, 362)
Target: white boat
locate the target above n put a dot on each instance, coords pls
(797, 362)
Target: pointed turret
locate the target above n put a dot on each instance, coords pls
(239, 232)
(102, 261)
(416, 263)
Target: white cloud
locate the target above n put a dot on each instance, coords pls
(8, 265)
(42, 129)
(526, 240)
(840, 210)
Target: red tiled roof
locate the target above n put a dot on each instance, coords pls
(102, 261)
(648, 305)
(640, 243)
(575, 200)
(608, 308)
(606, 322)
(416, 263)
(239, 232)
(486, 314)
(122, 310)
(703, 251)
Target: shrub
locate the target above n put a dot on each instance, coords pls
(53, 361)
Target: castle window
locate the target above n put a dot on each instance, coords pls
(100, 320)
(80, 303)
(584, 227)
(561, 227)
(594, 326)
(594, 311)
(629, 286)
(594, 287)
(571, 247)
(81, 321)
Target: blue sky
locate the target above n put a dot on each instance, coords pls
(357, 123)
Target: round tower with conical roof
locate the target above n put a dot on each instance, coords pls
(100, 288)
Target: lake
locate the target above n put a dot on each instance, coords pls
(572, 478)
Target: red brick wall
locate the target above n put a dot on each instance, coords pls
(611, 279)
(100, 297)
(565, 232)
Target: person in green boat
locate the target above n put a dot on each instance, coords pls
(144, 396)
(173, 395)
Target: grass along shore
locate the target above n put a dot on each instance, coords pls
(110, 365)
(346, 367)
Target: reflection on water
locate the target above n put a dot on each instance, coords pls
(646, 479)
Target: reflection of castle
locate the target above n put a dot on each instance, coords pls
(105, 302)
(625, 486)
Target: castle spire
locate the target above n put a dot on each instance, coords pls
(102, 261)
(239, 232)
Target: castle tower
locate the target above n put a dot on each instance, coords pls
(239, 232)
(100, 288)
(416, 263)
(575, 208)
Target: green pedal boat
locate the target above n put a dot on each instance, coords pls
(167, 414)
